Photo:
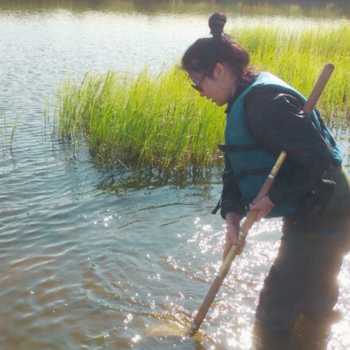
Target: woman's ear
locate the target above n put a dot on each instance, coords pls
(219, 71)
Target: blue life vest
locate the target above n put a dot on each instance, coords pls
(249, 162)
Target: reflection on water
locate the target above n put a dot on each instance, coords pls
(83, 264)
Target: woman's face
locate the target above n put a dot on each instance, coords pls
(218, 87)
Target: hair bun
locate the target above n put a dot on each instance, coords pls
(217, 22)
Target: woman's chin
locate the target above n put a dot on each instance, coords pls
(219, 103)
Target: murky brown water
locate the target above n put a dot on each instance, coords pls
(83, 268)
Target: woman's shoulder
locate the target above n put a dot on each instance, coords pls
(272, 97)
(268, 104)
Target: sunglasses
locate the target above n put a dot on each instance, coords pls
(196, 83)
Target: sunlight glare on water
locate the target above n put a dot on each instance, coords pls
(83, 267)
(236, 300)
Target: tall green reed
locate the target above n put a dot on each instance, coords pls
(7, 133)
(298, 57)
(155, 122)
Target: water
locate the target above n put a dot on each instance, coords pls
(85, 268)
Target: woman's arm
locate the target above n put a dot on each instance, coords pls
(232, 209)
(231, 199)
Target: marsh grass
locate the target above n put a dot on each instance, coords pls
(149, 122)
(159, 123)
(298, 57)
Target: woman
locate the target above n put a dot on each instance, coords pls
(311, 192)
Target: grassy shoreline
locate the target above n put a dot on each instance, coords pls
(290, 8)
(161, 123)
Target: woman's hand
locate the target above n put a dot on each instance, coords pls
(232, 221)
(262, 206)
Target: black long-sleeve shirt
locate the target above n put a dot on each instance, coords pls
(275, 122)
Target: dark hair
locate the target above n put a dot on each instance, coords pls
(205, 53)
